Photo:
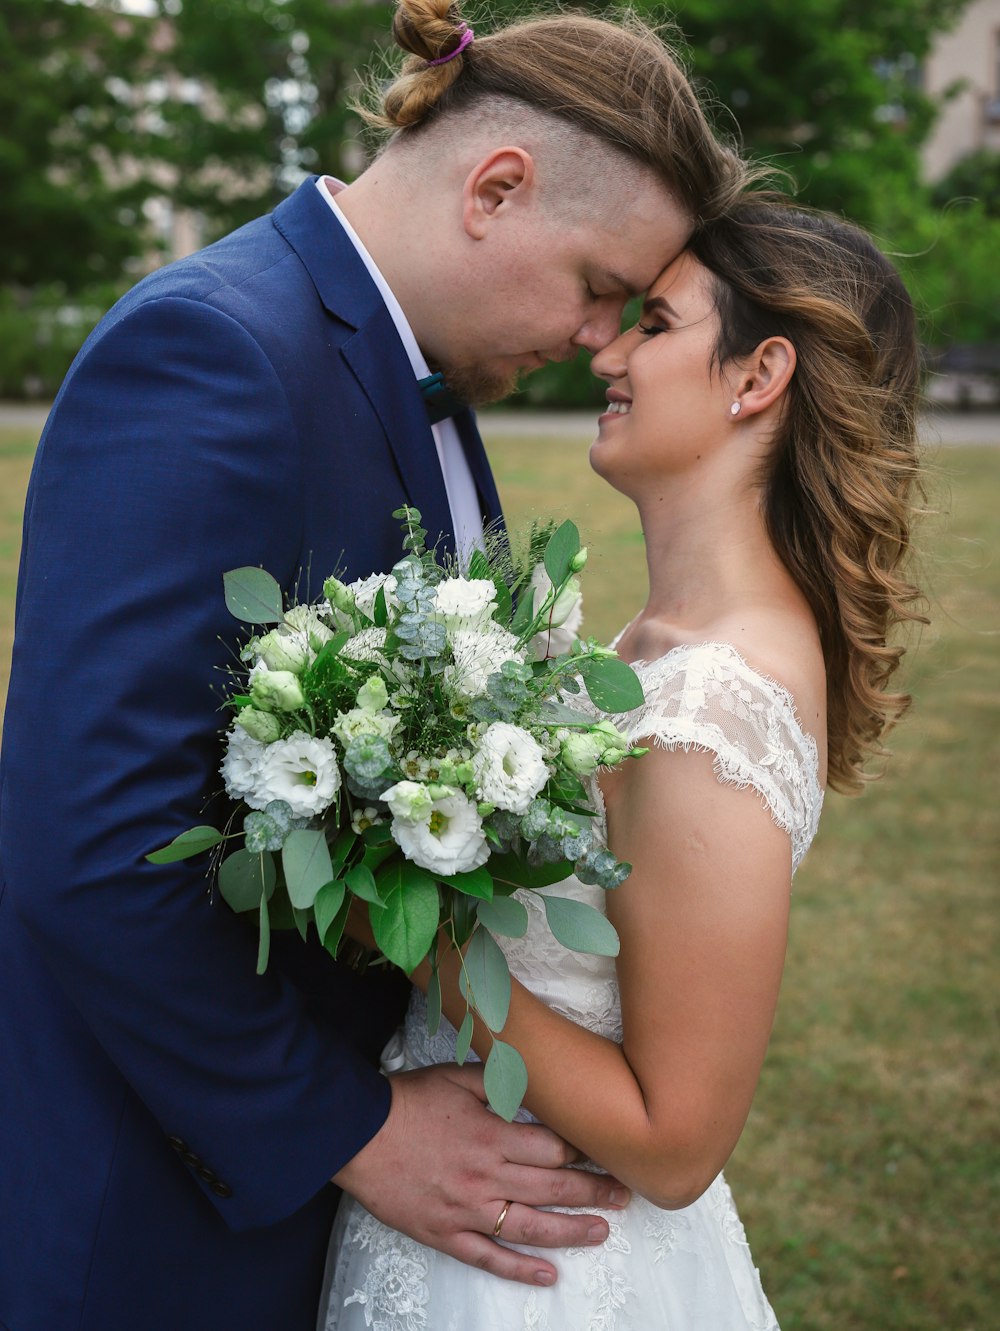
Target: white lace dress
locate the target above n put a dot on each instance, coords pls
(685, 1270)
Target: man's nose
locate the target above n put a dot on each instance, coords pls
(600, 329)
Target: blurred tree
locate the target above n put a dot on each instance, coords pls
(71, 178)
(976, 176)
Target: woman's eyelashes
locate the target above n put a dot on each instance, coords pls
(650, 330)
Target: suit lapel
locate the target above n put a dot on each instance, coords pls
(373, 353)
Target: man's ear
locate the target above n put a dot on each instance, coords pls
(503, 177)
(764, 376)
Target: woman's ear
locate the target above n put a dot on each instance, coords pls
(503, 177)
(763, 377)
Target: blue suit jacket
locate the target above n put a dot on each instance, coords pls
(168, 1121)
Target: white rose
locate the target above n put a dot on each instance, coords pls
(477, 654)
(284, 650)
(241, 765)
(449, 840)
(360, 721)
(301, 770)
(509, 766)
(465, 603)
(565, 617)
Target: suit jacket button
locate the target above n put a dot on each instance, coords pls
(190, 1158)
(207, 1174)
(221, 1189)
(178, 1143)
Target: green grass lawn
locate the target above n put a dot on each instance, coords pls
(869, 1173)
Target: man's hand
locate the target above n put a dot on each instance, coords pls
(443, 1167)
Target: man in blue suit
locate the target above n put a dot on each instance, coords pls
(169, 1122)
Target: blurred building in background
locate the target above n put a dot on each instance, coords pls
(967, 60)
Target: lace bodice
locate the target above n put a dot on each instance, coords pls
(703, 697)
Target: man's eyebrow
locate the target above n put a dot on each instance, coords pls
(659, 303)
(618, 280)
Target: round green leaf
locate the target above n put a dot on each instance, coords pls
(505, 1079)
(192, 842)
(612, 684)
(580, 927)
(264, 946)
(253, 596)
(245, 877)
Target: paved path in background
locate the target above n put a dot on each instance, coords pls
(937, 427)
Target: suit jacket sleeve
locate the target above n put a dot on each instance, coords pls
(171, 457)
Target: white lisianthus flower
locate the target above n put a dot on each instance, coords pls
(365, 591)
(509, 766)
(448, 840)
(465, 603)
(360, 721)
(241, 765)
(284, 650)
(264, 726)
(277, 691)
(301, 770)
(565, 617)
(373, 695)
(366, 646)
(409, 801)
(304, 620)
(477, 654)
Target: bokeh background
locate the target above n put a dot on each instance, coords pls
(131, 133)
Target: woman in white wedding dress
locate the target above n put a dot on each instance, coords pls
(761, 417)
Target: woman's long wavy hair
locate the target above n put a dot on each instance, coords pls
(843, 473)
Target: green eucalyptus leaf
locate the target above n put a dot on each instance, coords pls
(558, 714)
(264, 945)
(488, 979)
(405, 925)
(505, 916)
(342, 847)
(245, 877)
(473, 883)
(305, 858)
(505, 1079)
(335, 930)
(253, 596)
(192, 842)
(329, 900)
(301, 919)
(562, 545)
(279, 908)
(464, 1040)
(612, 684)
(510, 869)
(580, 927)
(361, 881)
(433, 1005)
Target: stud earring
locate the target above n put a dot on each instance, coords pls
(736, 408)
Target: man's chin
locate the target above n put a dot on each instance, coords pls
(479, 385)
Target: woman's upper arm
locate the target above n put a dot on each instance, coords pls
(703, 922)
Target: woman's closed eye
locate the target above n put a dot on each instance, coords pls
(650, 330)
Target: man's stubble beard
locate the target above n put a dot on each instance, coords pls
(478, 385)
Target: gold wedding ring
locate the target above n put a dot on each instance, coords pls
(500, 1219)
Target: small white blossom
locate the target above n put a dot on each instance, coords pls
(301, 770)
(409, 801)
(565, 617)
(465, 603)
(285, 650)
(449, 840)
(362, 819)
(241, 764)
(305, 619)
(509, 766)
(366, 590)
(478, 653)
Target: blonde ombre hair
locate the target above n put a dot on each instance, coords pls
(841, 478)
(617, 83)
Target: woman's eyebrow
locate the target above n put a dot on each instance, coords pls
(654, 303)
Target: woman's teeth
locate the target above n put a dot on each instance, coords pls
(619, 408)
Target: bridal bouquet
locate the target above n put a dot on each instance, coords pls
(408, 746)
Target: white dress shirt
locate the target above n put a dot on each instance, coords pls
(463, 501)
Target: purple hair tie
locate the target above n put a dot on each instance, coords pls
(467, 39)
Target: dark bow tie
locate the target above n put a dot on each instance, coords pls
(439, 400)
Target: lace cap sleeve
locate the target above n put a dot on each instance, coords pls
(706, 697)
